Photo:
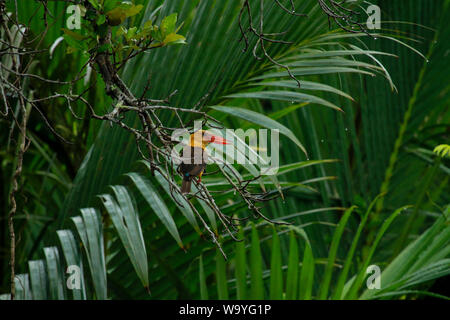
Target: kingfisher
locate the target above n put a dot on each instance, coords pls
(195, 157)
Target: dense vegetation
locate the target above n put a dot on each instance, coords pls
(370, 190)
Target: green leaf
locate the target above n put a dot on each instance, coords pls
(157, 35)
(284, 112)
(95, 4)
(116, 16)
(288, 168)
(425, 249)
(337, 53)
(292, 272)
(104, 48)
(168, 24)
(442, 150)
(221, 276)
(108, 5)
(210, 214)
(73, 35)
(133, 10)
(23, 290)
(130, 33)
(241, 267)
(202, 280)
(338, 291)
(307, 274)
(362, 271)
(426, 274)
(364, 149)
(173, 38)
(313, 71)
(305, 85)
(75, 40)
(148, 25)
(55, 273)
(73, 258)
(90, 231)
(101, 19)
(38, 279)
(325, 285)
(276, 273)
(285, 96)
(180, 202)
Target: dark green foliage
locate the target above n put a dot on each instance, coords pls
(360, 187)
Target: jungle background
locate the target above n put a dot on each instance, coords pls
(371, 190)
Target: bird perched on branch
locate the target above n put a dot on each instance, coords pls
(195, 157)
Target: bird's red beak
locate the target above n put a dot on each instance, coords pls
(219, 140)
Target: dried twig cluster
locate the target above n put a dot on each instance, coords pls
(262, 37)
(345, 18)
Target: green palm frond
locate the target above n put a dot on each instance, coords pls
(365, 121)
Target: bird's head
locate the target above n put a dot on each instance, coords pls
(201, 138)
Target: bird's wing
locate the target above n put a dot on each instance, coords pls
(195, 164)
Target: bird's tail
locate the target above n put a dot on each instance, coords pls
(186, 186)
